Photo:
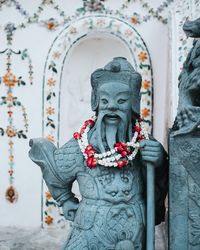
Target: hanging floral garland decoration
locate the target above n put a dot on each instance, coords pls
(51, 24)
(118, 157)
(88, 6)
(136, 18)
(92, 6)
(12, 103)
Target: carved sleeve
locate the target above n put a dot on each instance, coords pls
(59, 166)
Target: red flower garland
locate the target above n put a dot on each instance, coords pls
(123, 150)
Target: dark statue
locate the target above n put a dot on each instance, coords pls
(184, 144)
(108, 159)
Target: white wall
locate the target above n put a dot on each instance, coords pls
(74, 107)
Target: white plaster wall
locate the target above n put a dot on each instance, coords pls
(26, 212)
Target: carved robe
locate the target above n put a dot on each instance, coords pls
(111, 214)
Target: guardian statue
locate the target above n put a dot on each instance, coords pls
(108, 158)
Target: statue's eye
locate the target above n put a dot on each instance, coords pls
(104, 101)
(120, 101)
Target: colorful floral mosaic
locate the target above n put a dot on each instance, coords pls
(50, 24)
(88, 7)
(134, 18)
(9, 81)
(92, 5)
(54, 65)
(137, 18)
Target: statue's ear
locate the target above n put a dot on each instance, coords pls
(136, 81)
(136, 104)
(94, 83)
(94, 99)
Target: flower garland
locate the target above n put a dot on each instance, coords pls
(12, 103)
(50, 24)
(152, 13)
(87, 6)
(119, 156)
(92, 5)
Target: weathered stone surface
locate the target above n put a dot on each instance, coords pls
(108, 158)
(184, 142)
(13, 238)
(185, 191)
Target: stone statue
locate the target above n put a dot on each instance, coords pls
(188, 115)
(184, 144)
(107, 158)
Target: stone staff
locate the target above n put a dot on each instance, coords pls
(150, 206)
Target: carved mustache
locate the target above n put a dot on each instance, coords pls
(113, 114)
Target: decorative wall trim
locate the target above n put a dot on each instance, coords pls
(86, 7)
(12, 105)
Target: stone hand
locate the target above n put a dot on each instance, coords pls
(152, 151)
(70, 207)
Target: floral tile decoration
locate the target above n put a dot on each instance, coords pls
(9, 101)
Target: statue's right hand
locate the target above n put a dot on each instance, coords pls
(70, 207)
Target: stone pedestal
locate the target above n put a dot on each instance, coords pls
(184, 193)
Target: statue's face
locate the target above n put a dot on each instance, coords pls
(114, 115)
(115, 101)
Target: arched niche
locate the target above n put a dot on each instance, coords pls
(90, 53)
(81, 47)
(59, 55)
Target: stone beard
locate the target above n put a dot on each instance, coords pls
(114, 123)
(109, 134)
(116, 100)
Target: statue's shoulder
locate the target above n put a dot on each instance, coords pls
(68, 155)
(62, 162)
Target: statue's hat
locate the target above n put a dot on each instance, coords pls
(119, 70)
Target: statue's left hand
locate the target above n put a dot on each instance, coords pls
(152, 151)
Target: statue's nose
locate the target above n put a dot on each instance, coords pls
(112, 106)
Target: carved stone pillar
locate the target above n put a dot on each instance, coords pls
(185, 191)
